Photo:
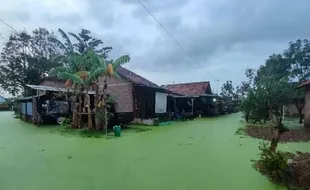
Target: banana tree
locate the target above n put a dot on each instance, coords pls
(82, 72)
(101, 103)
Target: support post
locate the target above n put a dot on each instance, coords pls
(192, 106)
(174, 104)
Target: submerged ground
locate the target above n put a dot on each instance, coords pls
(199, 154)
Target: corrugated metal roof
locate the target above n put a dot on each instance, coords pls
(55, 89)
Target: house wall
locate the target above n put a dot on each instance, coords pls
(122, 91)
(53, 83)
(307, 107)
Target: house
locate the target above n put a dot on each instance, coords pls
(136, 98)
(195, 98)
(3, 104)
(306, 86)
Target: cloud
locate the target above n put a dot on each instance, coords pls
(222, 37)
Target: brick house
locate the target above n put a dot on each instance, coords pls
(136, 98)
(195, 98)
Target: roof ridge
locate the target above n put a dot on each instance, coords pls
(134, 77)
(188, 83)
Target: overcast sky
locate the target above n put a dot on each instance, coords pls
(223, 36)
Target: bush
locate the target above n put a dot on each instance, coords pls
(65, 123)
(239, 131)
(273, 164)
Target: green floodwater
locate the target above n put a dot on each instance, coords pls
(194, 155)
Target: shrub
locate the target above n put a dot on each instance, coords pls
(239, 131)
(274, 164)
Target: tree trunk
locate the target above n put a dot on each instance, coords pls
(275, 141)
(105, 96)
(280, 130)
(79, 118)
(300, 105)
(90, 120)
(74, 115)
(96, 99)
(300, 116)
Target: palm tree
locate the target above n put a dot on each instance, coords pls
(83, 42)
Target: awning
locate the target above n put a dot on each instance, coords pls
(55, 89)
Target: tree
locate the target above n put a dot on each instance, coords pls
(271, 89)
(25, 59)
(83, 42)
(298, 56)
(230, 96)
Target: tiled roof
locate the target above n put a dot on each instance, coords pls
(124, 73)
(135, 78)
(189, 89)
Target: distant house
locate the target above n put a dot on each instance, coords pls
(195, 98)
(136, 98)
(306, 86)
(2, 100)
(3, 104)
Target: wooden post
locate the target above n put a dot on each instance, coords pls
(192, 106)
(175, 104)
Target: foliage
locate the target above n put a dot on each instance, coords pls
(273, 164)
(228, 94)
(26, 59)
(83, 41)
(298, 56)
(239, 131)
(90, 133)
(270, 91)
(141, 128)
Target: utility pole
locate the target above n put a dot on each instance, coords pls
(217, 86)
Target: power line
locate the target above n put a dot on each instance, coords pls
(170, 34)
(167, 31)
(8, 25)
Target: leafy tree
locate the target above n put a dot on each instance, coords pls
(298, 56)
(25, 59)
(232, 97)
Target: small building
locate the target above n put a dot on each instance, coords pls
(136, 98)
(306, 86)
(3, 104)
(195, 98)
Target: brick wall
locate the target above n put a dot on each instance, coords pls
(122, 91)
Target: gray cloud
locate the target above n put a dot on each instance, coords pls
(224, 36)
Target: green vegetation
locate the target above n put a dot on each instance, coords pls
(274, 164)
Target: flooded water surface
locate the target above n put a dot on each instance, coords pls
(194, 155)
